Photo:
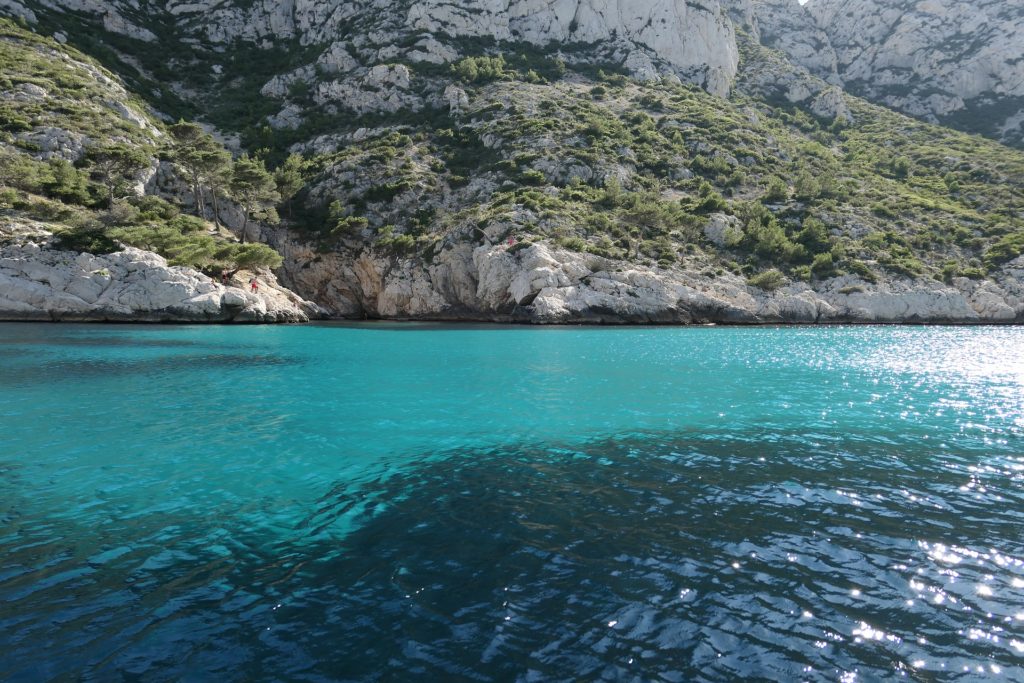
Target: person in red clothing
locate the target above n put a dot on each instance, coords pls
(255, 285)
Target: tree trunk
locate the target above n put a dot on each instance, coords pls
(245, 224)
(216, 207)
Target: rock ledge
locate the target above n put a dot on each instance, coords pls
(40, 283)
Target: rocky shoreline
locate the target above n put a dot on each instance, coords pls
(492, 283)
(541, 284)
(40, 283)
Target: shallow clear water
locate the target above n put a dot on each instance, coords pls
(469, 503)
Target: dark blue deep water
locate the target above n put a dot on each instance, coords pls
(378, 503)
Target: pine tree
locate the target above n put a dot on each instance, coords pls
(215, 169)
(288, 177)
(114, 165)
(67, 183)
(203, 160)
(253, 187)
(185, 141)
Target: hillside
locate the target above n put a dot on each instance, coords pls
(573, 168)
(81, 171)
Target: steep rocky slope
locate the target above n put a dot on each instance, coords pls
(958, 63)
(66, 124)
(693, 40)
(548, 163)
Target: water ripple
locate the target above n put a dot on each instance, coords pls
(359, 504)
(629, 559)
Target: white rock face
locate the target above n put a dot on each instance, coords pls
(831, 104)
(14, 8)
(540, 284)
(723, 230)
(38, 283)
(692, 40)
(943, 60)
(133, 117)
(695, 39)
(288, 118)
(116, 23)
(52, 135)
(786, 26)
(940, 60)
(456, 98)
(774, 77)
(385, 88)
(56, 143)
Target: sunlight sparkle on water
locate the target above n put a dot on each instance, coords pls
(617, 503)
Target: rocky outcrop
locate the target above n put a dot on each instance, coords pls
(41, 283)
(787, 26)
(694, 41)
(941, 60)
(946, 61)
(100, 103)
(18, 10)
(537, 283)
(771, 77)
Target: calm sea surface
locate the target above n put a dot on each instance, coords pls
(423, 502)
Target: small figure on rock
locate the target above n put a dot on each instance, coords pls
(223, 277)
(254, 285)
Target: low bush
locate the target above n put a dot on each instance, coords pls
(769, 280)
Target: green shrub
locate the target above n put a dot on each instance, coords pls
(89, 238)
(532, 177)
(121, 213)
(481, 69)
(901, 167)
(863, 271)
(153, 208)
(777, 192)
(387, 191)
(708, 201)
(250, 256)
(186, 224)
(814, 236)
(806, 186)
(68, 184)
(349, 225)
(572, 243)
(399, 244)
(8, 197)
(769, 280)
(801, 273)
(905, 264)
(823, 265)
(1006, 249)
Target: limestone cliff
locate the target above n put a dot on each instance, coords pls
(694, 41)
(946, 61)
(539, 283)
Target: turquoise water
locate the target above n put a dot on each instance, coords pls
(383, 502)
